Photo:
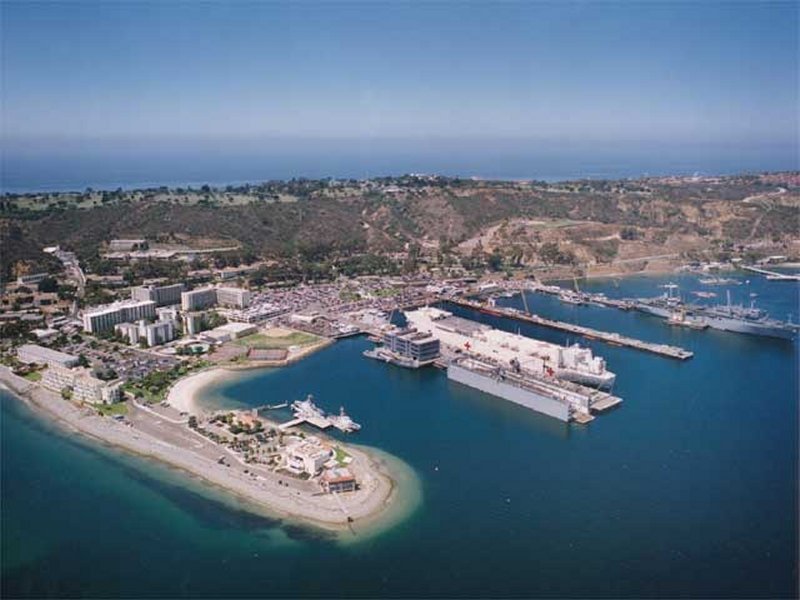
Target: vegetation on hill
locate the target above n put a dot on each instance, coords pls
(305, 222)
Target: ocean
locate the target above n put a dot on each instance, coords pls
(68, 165)
(688, 489)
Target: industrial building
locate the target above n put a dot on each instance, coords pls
(34, 354)
(104, 318)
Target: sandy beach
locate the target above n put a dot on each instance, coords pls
(183, 395)
(365, 509)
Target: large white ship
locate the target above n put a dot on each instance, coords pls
(537, 357)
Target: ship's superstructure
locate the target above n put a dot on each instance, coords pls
(536, 357)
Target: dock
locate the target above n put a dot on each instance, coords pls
(771, 275)
(614, 339)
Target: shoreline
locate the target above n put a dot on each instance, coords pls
(373, 508)
(183, 394)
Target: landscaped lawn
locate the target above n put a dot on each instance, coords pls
(110, 410)
(266, 342)
(33, 376)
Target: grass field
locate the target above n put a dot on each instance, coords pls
(33, 376)
(110, 410)
(265, 342)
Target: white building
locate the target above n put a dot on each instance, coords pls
(33, 354)
(130, 331)
(32, 278)
(104, 318)
(162, 295)
(154, 334)
(159, 332)
(198, 299)
(81, 385)
(193, 323)
(127, 245)
(308, 457)
(236, 297)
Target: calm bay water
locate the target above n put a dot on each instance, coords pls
(688, 489)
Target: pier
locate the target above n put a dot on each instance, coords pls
(614, 339)
(771, 275)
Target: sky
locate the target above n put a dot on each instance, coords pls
(699, 72)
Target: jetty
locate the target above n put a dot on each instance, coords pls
(614, 339)
(771, 275)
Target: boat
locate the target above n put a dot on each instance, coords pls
(307, 409)
(343, 422)
(558, 399)
(382, 354)
(569, 363)
(719, 281)
(748, 320)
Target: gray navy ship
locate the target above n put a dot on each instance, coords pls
(725, 317)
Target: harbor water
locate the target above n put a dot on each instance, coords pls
(688, 489)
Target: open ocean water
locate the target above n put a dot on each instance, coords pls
(689, 489)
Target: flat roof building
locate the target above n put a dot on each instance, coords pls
(410, 343)
(105, 317)
(127, 245)
(35, 354)
(338, 480)
(81, 385)
(308, 457)
(162, 295)
(198, 299)
(236, 297)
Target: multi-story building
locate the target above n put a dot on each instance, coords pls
(162, 295)
(193, 323)
(308, 457)
(130, 331)
(32, 353)
(105, 317)
(153, 334)
(199, 299)
(409, 343)
(236, 297)
(81, 385)
(159, 332)
(31, 279)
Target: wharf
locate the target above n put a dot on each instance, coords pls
(772, 275)
(587, 332)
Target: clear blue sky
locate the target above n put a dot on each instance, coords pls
(614, 71)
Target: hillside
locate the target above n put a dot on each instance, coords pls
(524, 223)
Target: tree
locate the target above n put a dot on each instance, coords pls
(495, 261)
(48, 285)
(193, 422)
(83, 361)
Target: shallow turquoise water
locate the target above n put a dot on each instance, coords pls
(688, 489)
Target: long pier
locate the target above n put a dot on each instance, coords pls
(771, 275)
(587, 332)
